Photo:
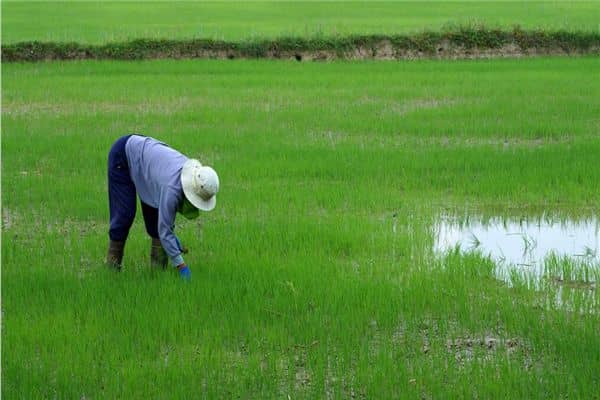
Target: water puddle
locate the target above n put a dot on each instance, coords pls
(522, 244)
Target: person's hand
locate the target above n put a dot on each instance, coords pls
(182, 248)
(184, 272)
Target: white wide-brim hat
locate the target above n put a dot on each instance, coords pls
(200, 184)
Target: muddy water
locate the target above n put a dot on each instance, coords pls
(520, 243)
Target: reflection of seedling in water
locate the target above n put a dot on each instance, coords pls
(529, 243)
(502, 258)
(589, 252)
(475, 242)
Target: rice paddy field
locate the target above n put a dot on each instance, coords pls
(317, 275)
(100, 22)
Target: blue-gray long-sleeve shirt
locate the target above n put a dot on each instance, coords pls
(155, 169)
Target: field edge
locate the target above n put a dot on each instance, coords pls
(462, 43)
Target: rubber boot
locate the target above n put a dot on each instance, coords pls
(158, 256)
(115, 254)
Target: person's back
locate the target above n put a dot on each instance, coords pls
(153, 167)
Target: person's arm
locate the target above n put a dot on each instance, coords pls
(166, 222)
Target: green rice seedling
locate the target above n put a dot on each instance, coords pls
(315, 276)
(119, 21)
(571, 269)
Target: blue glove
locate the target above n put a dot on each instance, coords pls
(185, 273)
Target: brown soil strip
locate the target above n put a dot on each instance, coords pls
(463, 43)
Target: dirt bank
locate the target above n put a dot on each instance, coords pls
(465, 43)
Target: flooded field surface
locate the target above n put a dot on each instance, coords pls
(530, 244)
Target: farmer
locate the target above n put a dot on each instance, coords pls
(167, 183)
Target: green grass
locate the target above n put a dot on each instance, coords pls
(301, 284)
(101, 22)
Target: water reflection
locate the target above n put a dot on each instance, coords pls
(522, 243)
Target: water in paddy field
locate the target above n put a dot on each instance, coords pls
(521, 243)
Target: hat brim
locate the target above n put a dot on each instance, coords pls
(187, 184)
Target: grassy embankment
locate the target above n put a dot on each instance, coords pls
(314, 276)
(304, 31)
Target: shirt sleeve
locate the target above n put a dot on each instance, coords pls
(167, 210)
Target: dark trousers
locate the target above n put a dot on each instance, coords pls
(122, 196)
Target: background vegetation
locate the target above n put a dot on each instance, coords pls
(103, 22)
